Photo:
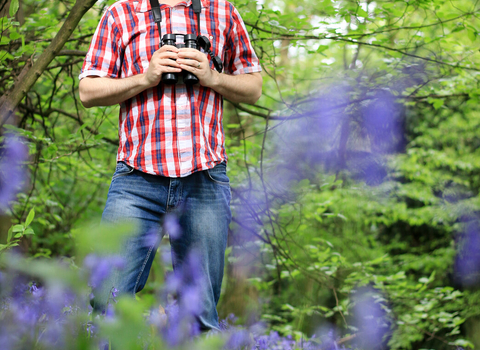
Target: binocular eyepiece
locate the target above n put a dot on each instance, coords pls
(190, 41)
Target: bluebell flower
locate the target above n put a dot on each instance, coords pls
(172, 226)
(151, 237)
(13, 153)
(100, 268)
(369, 319)
(467, 261)
(238, 339)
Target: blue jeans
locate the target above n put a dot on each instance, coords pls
(201, 204)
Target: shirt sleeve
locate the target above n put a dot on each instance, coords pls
(106, 50)
(240, 57)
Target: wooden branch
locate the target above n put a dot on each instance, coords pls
(4, 100)
(79, 53)
(13, 98)
(255, 113)
(66, 64)
(69, 115)
(435, 96)
(347, 39)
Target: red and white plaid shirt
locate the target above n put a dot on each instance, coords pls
(169, 130)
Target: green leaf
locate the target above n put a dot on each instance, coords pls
(18, 228)
(322, 48)
(361, 12)
(30, 217)
(472, 35)
(10, 231)
(464, 343)
(13, 8)
(436, 102)
(29, 231)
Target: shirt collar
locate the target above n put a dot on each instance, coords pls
(144, 5)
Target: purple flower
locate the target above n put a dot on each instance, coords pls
(91, 329)
(35, 291)
(151, 237)
(370, 319)
(158, 318)
(346, 129)
(100, 268)
(191, 301)
(13, 153)
(327, 338)
(238, 340)
(109, 312)
(172, 226)
(467, 262)
(228, 322)
(184, 284)
(181, 325)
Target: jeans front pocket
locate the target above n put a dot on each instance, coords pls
(218, 174)
(122, 169)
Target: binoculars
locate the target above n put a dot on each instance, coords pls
(193, 42)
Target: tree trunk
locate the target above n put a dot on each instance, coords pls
(11, 99)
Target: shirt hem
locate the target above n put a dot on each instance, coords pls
(176, 177)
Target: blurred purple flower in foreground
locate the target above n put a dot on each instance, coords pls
(467, 262)
(182, 313)
(370, 319)
(343, 130)
(100, 268)
(35, 316)
(13, 154)
(172, 226)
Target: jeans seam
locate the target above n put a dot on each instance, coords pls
(142, 269)
(168, 194)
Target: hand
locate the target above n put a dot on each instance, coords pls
(162, 61)
(196, 62)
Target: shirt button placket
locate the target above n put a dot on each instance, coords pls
(184, 129)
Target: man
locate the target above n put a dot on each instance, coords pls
(171, 159)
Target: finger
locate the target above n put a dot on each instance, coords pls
(191, 54)
(168, 69)
(186, 50)
(169, 63)
(167, 48)
(189, 62)
(168, 54)
(194, 68)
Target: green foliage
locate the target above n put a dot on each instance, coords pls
(17, 232)
(327, 236)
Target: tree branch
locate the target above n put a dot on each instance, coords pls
(12, 99)
(345, 38)
(79, 53)
(69, 115)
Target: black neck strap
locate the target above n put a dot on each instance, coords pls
(197, 8)
(157, 14)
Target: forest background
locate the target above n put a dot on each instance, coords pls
(355, 178)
